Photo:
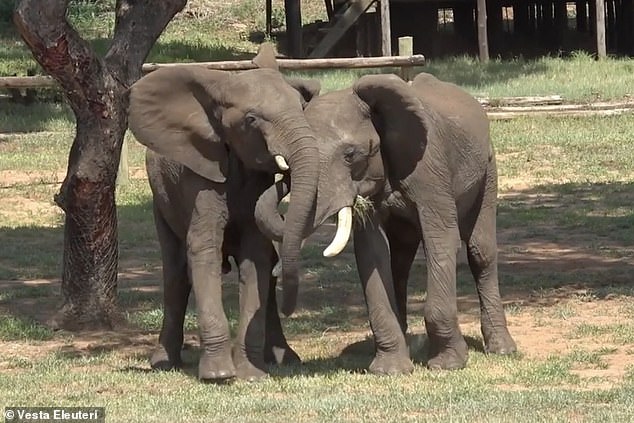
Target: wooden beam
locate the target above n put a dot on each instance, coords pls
(483, 41)
(329, 9)
(599, 25)
(386, 29)
(347, 19)
(293, 11)
(27, 82)
(238, 65)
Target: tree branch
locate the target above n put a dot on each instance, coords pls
(138, 24)
(62, 53)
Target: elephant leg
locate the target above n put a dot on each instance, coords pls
(404, 240)
(482, 253)
(276, 348)
(372, 254)
(204, 255)
(254, 266)
(176, 289)
(441, 240)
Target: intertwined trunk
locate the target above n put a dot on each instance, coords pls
(96, 89)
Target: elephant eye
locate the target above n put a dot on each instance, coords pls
(348, 155)
(250, 119)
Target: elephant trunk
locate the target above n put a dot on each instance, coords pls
(303, 161)
(266, 214)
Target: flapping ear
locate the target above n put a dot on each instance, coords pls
(308, 88)
(402, 120)
(175, 112)
(265, 59)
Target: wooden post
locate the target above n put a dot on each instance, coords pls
(610, 38)
(626, 27)
(520, 17)
(123, 173)
(293, 13)
(406, 48)
(386, 30)
(561, 21)
(532, 17)
(599, 25)
(269, 15)
(483, 41)
(464, 23)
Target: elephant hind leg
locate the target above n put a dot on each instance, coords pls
(176, 288)
(276, 348)
(483, 262)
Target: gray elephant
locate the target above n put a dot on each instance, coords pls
(215, 141)
(421, 154)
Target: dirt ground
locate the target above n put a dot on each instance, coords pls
(544, 322)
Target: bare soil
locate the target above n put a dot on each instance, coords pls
(544, 322)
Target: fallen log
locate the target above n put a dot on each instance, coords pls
(560, 113)
(521, 101)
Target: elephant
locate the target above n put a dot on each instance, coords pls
(416, 162)
(215, 141)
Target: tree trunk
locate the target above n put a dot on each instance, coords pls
(96, 89)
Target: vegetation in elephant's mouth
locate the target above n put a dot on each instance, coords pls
(362, 209)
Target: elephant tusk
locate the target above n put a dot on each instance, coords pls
(281, 162)
(344, 226)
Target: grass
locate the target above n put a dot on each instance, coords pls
(589, 212)
(566, 242)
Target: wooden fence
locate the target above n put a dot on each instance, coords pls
(405, 63)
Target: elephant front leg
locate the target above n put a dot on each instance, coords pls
(215, 362)
(447, 347)
(373, 262)
(404, 240)
(255, 266)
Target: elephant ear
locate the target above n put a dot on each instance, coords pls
(174, 112)
(266, 57)
(308, 88)
(400, 118)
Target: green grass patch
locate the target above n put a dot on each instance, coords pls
(18, 329)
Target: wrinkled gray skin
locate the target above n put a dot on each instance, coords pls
(422, 154)
(212, 136)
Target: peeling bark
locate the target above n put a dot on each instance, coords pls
(97, 91)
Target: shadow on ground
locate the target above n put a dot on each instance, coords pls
(556, 242)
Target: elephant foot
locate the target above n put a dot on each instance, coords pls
(161, 360)
(448, 355)
(499, 342)
(249, 370)
(245, 370)
(216, 368)
(395, 363)
(281, 355)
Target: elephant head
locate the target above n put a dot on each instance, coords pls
(196, 116)
(372, 137)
